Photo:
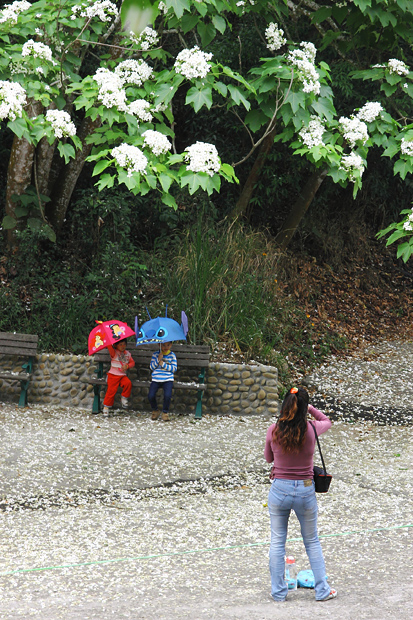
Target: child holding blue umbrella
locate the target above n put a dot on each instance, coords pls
(163, 366)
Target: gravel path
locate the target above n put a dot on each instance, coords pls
(122, 517)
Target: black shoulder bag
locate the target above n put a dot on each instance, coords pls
(321, 478)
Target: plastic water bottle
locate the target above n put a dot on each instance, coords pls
(290, 574)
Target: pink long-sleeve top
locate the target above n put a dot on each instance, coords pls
(117, 359)
(298, 465)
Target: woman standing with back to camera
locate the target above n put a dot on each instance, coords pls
(290, 445)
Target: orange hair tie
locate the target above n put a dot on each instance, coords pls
(294, 390)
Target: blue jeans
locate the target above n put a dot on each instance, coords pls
(284, 496)
(167, 394)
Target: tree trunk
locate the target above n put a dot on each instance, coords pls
(19, 171)
(56, 209)
(299, 208)
(241, 207)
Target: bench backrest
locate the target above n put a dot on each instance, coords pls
(18, 344)
(186, 354)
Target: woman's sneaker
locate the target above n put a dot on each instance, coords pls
(105, 410)
(125, 402)
(333, 594)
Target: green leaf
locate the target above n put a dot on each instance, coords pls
(48, 230)
(388, 89)
(219, 23)
(100, 166)
(169, 201)
(398, 234)
(106, 180)
(402, 167)
(179, 6)
(34, 223)
(238, 96)
(191, 179)
(66, 150)
(21, 211)
(207, 32)
(199, 98)
(9, 222)
(18, 127)
(166, 181)
(255, 119)
(404, 251)
(188, 22)
(221, 88)
(296, 100)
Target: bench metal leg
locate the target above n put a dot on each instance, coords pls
(24, 385)
(96, 390)
(198, 408)
(23, 393)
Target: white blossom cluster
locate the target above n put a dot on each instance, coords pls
(202, 157)
(275, 37)
(148, 38)
(37, 50)
(162, 7)
(397, 66)
(312, 135)
(12, 11)
(303, 65)
(130, 157)
(156, 141)
(406, 147)
(351, 163)
(103, 9)
(141, 109)
(61, 123)
(111, 92)
(309, 50)
(111, 87)
(369, 112)
(354, 130)
(134, 71)
(193, 63)
(12, 100)
(408, 225)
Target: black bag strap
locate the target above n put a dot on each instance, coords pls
(321, 454)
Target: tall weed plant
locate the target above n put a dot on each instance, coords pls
(224, 277)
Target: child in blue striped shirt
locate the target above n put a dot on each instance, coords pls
(163, 365)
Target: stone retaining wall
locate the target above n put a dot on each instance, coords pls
(62, 380)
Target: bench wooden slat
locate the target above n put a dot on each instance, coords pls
(26, 338)
(19, 345)
(17, 350)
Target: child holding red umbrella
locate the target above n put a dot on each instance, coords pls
(121, 360)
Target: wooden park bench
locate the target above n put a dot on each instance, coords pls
(188, 356)
(19, 345)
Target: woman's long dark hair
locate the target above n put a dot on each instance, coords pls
(291, 427)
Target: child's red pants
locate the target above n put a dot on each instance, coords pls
(114, 381)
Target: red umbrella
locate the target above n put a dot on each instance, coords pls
(107, 333)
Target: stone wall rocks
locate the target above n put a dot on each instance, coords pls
(231, 388)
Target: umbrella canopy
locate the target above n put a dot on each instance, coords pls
(161, 329)
(108, 332)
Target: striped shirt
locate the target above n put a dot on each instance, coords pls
(165, 371)
(117, 359)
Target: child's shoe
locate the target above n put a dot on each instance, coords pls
(125, 402)
(333, 594)
(155, 415)
(105, 410)
(165, 416)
